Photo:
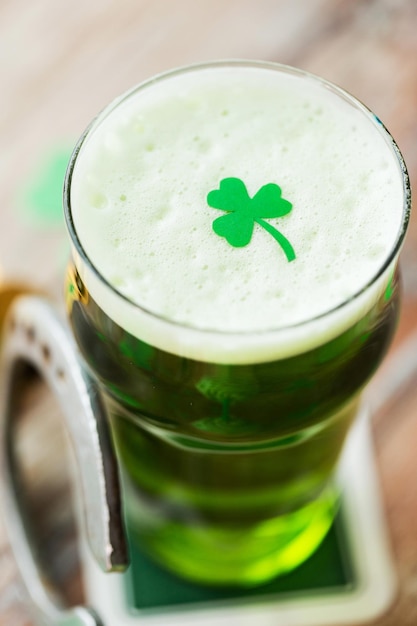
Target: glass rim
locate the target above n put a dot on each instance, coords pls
(230, 63)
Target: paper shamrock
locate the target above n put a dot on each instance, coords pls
(244, 212)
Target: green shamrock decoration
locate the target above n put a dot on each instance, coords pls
(244, 212)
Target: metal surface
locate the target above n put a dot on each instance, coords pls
(35, 335)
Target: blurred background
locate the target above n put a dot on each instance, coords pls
(62, 62)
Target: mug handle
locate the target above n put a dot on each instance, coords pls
(35, 335)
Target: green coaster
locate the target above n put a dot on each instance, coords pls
(40, 199)
(329, 568)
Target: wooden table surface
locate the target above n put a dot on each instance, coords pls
(61, 62)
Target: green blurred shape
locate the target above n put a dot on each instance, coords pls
(41, 197)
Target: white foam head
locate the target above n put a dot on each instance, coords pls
(140, 212)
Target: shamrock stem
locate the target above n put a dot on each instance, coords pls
(279, 237)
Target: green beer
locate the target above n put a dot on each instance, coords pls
(233, 307)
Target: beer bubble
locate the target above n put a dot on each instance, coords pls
(118, 281)
(375, 250)
(138, 126)
(161, 213)
(98, 200)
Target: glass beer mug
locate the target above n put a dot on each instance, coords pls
(235, 231)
